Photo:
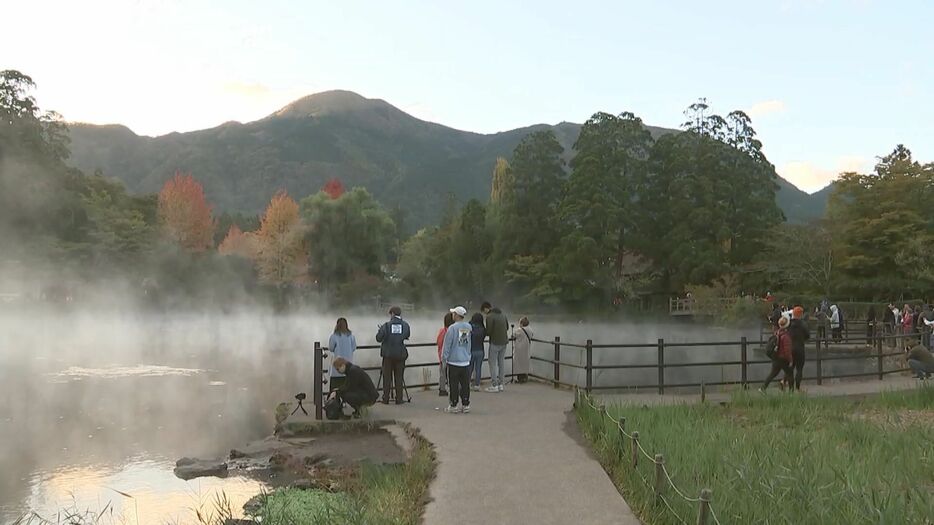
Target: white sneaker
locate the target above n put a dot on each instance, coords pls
(491, 389)
(501, 388)
(466, 409)
(452, 410)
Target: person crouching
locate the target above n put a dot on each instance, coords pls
(456, 353)
(357, 390)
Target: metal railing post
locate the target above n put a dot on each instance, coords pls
(818, 363)
(589, 350)
(557, 360)
(318, 386)
(661, 366)
(743, 347)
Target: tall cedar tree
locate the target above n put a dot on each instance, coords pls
(185, 214)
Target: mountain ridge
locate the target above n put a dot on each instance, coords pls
(398, 157)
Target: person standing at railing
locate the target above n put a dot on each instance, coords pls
(521, 354)
(888, 323)
(823, 321)
(836, 323)
(392, 336)
(497, 328)
(799, 334)
(781, 355)
(443, 371)
(907, 320)
(456, 353)
(926, 324)
(477, 336)
(341, 344)
(870, 324)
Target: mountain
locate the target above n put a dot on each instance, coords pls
(404, 162)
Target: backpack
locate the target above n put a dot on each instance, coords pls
(334, 408)
(771, 347)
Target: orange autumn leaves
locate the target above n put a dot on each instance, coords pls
(278, 248)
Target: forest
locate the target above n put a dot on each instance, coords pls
(629, 218)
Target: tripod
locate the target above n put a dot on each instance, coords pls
(300, 397)
(392, 392)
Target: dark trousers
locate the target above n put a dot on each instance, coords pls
(459, 384)
(778, 365)
(393, 374)
(821, 331)
(357, 399)
(797, 357)
(837, 334)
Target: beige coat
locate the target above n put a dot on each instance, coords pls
(520, 357)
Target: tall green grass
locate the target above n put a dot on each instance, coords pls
(779, 459)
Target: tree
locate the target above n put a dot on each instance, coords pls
(350, 235)
(185, 214)
(334, 188)
(800, 256)
(281, 254)
(238, 243)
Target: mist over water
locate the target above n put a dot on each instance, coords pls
(94, 401)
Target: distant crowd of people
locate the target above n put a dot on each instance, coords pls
(786, 346)
(461, 354)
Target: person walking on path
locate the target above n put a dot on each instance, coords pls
(391, 337)
(521, 353)
(920, 361)
(798, 331)
(477, 335)
(357, 390)
(456, 353)
(341, 344)
(497, 328)
(836, 323)
(443, 367)
(781, 358)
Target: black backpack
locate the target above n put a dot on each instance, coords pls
(334, 408)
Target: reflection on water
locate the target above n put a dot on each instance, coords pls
(77, 372)
(148, 493)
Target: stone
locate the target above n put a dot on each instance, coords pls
(191, 468)
(236, 454)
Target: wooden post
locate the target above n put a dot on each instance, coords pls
(703, 392)
(635, 449)
(659, 476)
(589, 350)
(743, 347)
(703, 510)
(661, 366)
(818, 363)
(557, 360)
(317, 386)
(622, 436)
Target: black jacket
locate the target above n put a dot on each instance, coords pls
(358, 381)
(799, 334)
(477, 335)
(392, 336)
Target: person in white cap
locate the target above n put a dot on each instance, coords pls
(456, 353)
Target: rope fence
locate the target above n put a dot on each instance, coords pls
(663, 480)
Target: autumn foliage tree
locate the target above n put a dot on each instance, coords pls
(236, 242)
(334, 188)
(184, 213)
(280, 246)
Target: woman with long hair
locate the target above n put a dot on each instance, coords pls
(341, 344)
(477, 335)
(442, 371)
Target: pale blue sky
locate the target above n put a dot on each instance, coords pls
(829, 84)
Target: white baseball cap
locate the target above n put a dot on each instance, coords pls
(459, 310)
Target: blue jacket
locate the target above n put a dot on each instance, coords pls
(341, 345)
(391, 337)
(456, 350)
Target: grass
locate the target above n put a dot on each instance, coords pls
(778, 458)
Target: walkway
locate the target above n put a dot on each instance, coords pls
(515, 458)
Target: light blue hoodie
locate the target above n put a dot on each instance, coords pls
(456, 349)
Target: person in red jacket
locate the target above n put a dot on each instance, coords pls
(443, 372)
(782, 359)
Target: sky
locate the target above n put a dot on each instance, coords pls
(830, 85)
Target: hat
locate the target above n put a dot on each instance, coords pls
(783, 322)
(797, 312)
(459, 310)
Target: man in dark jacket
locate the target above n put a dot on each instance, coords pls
(926, 325)
(920, 361)
(497, 328)
(392, 336)
(799, 335)
(357, 389)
